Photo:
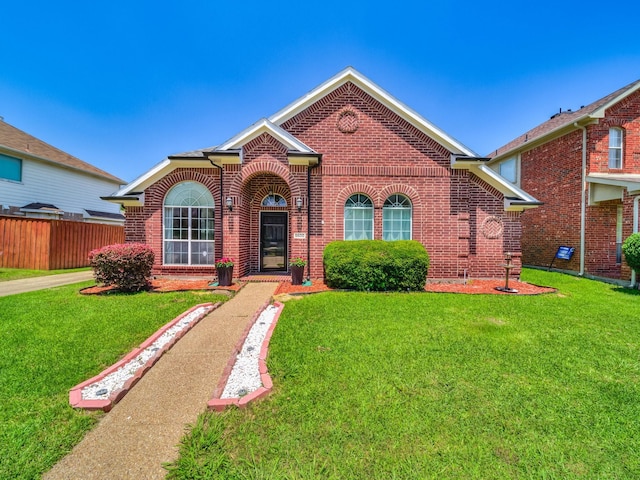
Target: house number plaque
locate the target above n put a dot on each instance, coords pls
(299, 235)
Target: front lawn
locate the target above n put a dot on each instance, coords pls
(428, 385)
(50, 341)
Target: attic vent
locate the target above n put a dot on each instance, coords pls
(560, 113)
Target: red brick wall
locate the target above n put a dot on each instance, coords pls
(552, 174)
(624, 115)
(386, 155)
(366, 149)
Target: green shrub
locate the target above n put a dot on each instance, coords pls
(126, 266)
(631, 250)
(376, 265)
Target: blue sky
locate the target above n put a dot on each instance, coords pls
(123, 84)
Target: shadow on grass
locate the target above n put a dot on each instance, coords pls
(627, 291)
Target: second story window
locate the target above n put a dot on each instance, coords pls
(615, 148)
(509, 170)
(10, 168)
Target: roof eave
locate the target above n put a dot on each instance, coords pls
(561, 130)
(264, 125)
(160, 170)
(515, 199)
(29, 156)
(135, 199)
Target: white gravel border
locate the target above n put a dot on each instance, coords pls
(115, 381)
(245, 375)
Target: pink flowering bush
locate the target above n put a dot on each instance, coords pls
(126, 266)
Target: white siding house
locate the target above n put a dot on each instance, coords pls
(39, 180)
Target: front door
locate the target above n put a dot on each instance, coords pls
(273, 241)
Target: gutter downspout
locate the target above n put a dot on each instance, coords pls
(636, 210)
(221, 211)
(583, 197)
(309, 219)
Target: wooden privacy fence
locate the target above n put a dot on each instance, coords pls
(42, 244)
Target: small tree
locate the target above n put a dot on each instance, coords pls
(631, 250)
(126, 266)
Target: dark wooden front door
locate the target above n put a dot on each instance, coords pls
(273, 241)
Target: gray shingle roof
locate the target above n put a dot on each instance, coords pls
(560, 120)
(17, 140)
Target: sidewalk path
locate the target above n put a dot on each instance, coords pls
(12, 287)
(143, 430)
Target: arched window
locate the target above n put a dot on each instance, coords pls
(358, 218)
(616, 139)
(189, 225)
(396, 218)
(274, 200)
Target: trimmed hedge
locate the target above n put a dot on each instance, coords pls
(376, 265)
(127, 266)
(631, 250)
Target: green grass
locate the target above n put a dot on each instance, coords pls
(440, 386)
(7, 274)
(50, 341)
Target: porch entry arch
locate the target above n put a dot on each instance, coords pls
(269, 200)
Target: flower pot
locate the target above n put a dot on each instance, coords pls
(225, 276)
(296, 275)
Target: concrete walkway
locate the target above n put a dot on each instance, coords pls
(144, 429)
(40, 283)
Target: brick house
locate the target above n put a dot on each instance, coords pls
(584, 166)
(345, 161)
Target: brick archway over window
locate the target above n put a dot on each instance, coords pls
(405, 190)
(363, 188)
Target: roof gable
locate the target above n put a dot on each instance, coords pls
(350, 74)
(257, 129)
(564, 122)
(14, 140)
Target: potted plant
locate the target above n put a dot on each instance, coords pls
(224, 268)
(297, 264)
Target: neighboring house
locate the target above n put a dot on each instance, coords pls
(38, 180)
(345, 161)
(584, 166)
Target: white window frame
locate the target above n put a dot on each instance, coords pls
(397, 205)
(194, 199)
(616, 148)
(355, 208)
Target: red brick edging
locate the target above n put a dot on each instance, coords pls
(75, 394)
(219, 404)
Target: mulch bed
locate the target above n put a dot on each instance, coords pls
(472, 287)
(316, 286)
(169, 285)
(488, 287)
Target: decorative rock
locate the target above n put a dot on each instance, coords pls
(245, 375)
(116, 380)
